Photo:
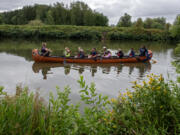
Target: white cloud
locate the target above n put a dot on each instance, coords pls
(113, 8)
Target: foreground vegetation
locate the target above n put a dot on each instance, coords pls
(152, 108)
(176, 63)
(177, 49)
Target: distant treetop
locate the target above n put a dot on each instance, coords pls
(78, 13)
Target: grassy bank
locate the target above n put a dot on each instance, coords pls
(82, 32)
(153, 108)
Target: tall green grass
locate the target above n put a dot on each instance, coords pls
(153, 107)
(82, 32)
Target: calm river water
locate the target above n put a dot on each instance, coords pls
(17, 67)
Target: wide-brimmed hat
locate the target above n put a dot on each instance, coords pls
(104, 47)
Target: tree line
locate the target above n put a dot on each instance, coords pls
(173, 30)
(148, 23)
(78, 13)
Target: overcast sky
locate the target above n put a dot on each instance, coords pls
(113, 8)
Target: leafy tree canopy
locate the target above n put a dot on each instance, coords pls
(78, 13)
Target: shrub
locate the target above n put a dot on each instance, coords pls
(177, 65)
(177, 49)
(35, 23)
(81, 32)
(153, 107)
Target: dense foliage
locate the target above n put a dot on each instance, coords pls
(176, 63)
(175, 30)
(148, 23)
(40, 17)
(124, 21)
(82, 32)
(177, 50)
(78, 13)
(153, 107)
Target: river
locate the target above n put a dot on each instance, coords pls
(18, 68)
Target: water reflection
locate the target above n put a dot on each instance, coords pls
(45, 68)
(16, 61)
(24, 48)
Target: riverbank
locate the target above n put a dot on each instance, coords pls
(153, 108)
(83, 33)
(176, 63)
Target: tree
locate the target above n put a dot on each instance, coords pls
(59, 13)
(177, 20)
(100, 20)
(41, 11)
(175, 29)
(148, 23)
(50, 19)
(1, 19)
(160, 20)
(78, 13)
(89, 18)
(139, 23)
(155, 23)
(167, 26)
(28, 13)
(124, 21)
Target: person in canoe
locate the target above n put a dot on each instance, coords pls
(93, 53)
(80, 53)
(104, 51)
(107, 54)
(67, 52)
(132, 53)
(143, 51)
(120, 53)
(44, 50)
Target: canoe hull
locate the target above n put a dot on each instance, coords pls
(38, 58)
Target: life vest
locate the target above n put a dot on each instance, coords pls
(67, 54)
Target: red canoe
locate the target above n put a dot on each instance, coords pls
(38, 58)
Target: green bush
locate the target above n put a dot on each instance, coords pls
(177, 49)
(175, 32)
(81, 32)
(177, 65)
(153, 107)
(35, 23)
